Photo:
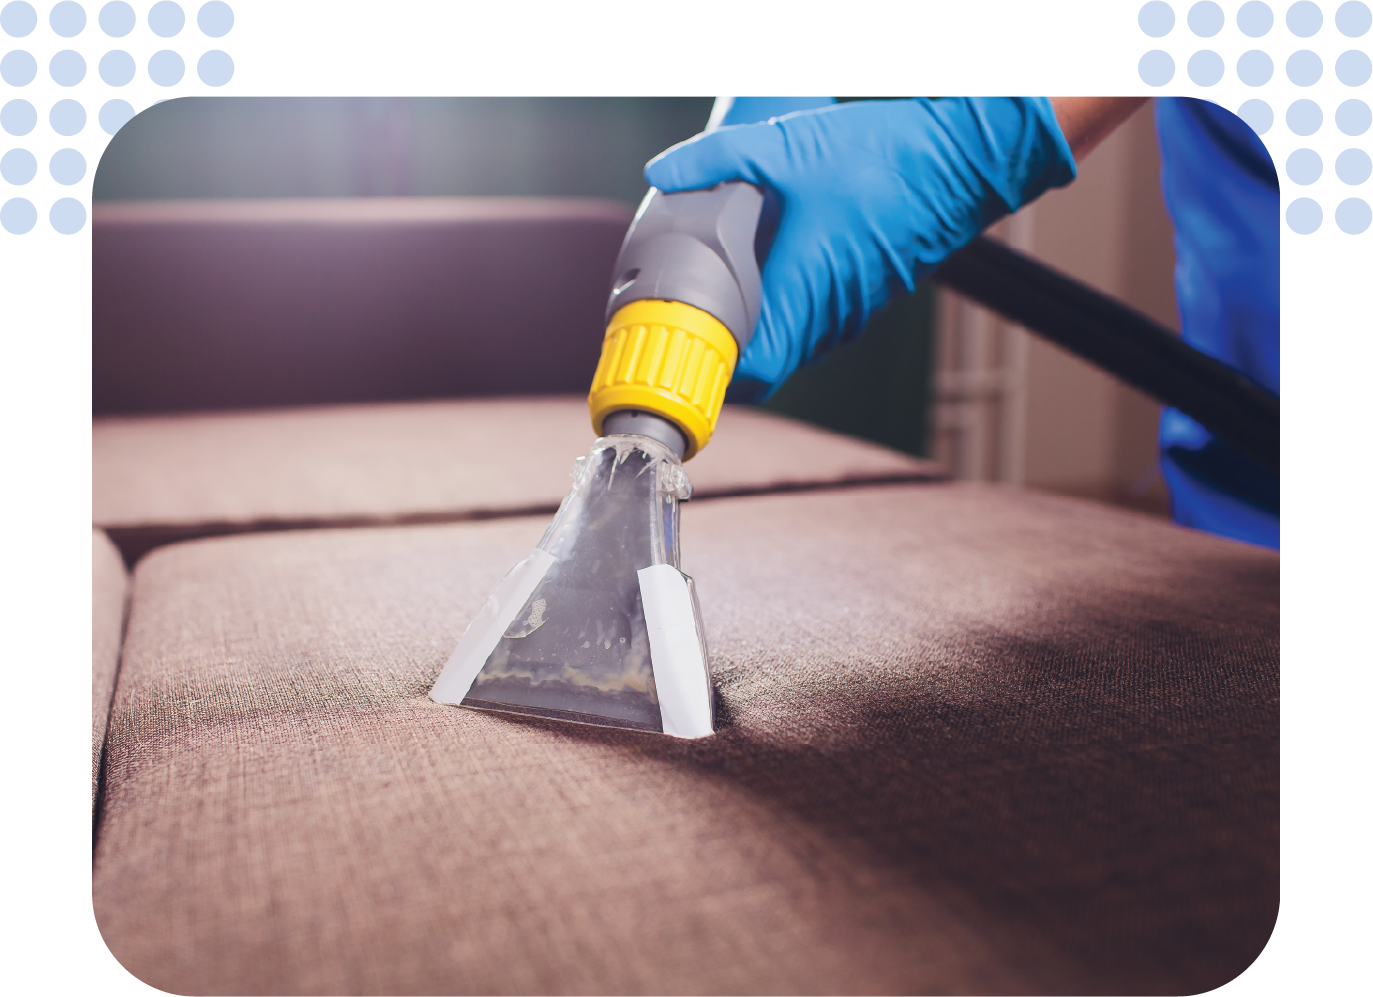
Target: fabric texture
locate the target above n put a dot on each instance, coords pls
(164, 478)
(1222, 192)
(970, 741)
(109, 591)
(203, 305)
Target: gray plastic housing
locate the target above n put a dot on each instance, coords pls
(695, 247)
(632, 422)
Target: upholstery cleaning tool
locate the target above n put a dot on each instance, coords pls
(599, 625)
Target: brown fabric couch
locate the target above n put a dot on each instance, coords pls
(163, 478)
(971, 740)
(109, 597)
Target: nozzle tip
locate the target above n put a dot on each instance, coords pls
(655, 427)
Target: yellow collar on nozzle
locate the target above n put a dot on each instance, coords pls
(667, 358)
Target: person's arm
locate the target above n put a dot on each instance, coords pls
(1086, 121)
(874, 195)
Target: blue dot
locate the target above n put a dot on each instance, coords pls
(1257, 115)
(1205, 68)
(1353, 166)
(1254, 68)
(18, 117)
(18, 19)
(215, 19)
(117, 19)
(1353, 19)
(67, 68)
(1353, 216)
(1353, 68)
(215, 68)
(166, 68)
(18, 68)
(18, 215)
(67, 166)
(1156, 18)
(114, 115)
(1205, 18)
(18, 166)
(1304, 68)
(1255, 19)
(1304, 167)
(1303, 19)
(68, 19)
(117, 67)
(1304, 117)
(68, 216)
(1353, 117)
(166, 19)
(67, 117)
(1156, 67)
(1304, 216)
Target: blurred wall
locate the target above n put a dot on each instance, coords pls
(361, 146)
(1085, 432)
(223, 147)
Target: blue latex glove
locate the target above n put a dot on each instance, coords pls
(873, 196)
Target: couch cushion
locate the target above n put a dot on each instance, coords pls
(109, 588)
(232, 304)
(167, 478)
(971, 741)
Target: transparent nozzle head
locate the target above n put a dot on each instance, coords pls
(579, 647)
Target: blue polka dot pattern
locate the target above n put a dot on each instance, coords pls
(1255, 19)
(116, 68)
(18, 19)
(1257, 115)
(68, 216)
(215, 19)
(1304, 19)
(67, 117)
(1304, 216)
(1353, 166)
(1205, 18)
(1156, 19)
(18, 166)
(1304, 117)
(18, 68)
(1353, 68)
(215, 68)
(1304, 68)
(1205, 68)
(1353, 117)
(166, 19)
(67, 166)
(114, 115)
(166, 68)
(1304, 167)
(1353, 19)
(1353, 216)
(1156, 68)
(67, 68)
(18, 215)
(1255, 68)
(18, 117)
(68, 19)
(117, 19)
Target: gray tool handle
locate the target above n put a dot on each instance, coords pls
(695, 247)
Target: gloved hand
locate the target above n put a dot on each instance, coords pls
(873, 196)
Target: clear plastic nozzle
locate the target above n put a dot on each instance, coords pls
(588, 627)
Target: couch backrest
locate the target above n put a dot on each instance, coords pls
(247, 303)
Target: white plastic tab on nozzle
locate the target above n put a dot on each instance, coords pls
(679, 667)
(484, 632)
